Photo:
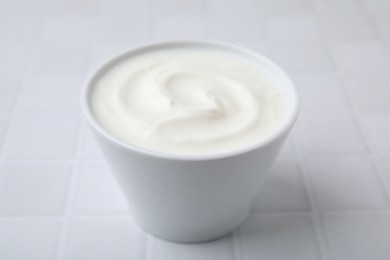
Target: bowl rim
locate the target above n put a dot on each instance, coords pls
(228, 47)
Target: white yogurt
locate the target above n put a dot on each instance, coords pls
(188, 101)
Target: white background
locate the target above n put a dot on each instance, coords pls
(328, 196)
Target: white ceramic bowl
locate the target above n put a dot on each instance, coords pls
(191, 198)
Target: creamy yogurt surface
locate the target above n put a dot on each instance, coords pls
(188, 101)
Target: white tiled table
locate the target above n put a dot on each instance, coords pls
(328, 196)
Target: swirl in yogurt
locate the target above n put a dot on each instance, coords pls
(188, 101)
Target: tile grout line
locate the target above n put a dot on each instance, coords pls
(358, 127)
(12, 118)
(328, 213)
(253, 214)
(206, 19)
(366, 138)
(61, 217)
(370, 20)
(44, 160)
(61, 248)
(13, 115)
(64, 230)
(375, 160)
(364, 133)
(17, 110)
(151, 20)
(321, 239)
(351, 108)
(25, 72)
(382, 176)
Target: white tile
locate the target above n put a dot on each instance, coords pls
(101, 52)
(293, 27)
(4, 122)
(72, 7)
(138, 8)
(346, 28)
(346, 183)
(336, 6)
(9, 89)
(216, 250)
(29, 239)
(224, 9)
(277, 237)
(43, 135)
(378, 126)
(386, 44)
(288, 149)
(18, 9)
(14, 58)
(368, 90)
(248, 31)
(59, 58)
(329, 131)
(385, 167)
(361, 56)
(179, 7)
(300, 56)
(101, 239)
(124, 22)
(289, 6)
(129, 28)
(70, 29)
(137, 11)
(359, 237)
(18, 28)
(90, 148)
(55, 92)
(377, 6)
(177, 27)
(283, 190)
(34, 189)
(97, 192)
(382, 22)
(320, 89)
